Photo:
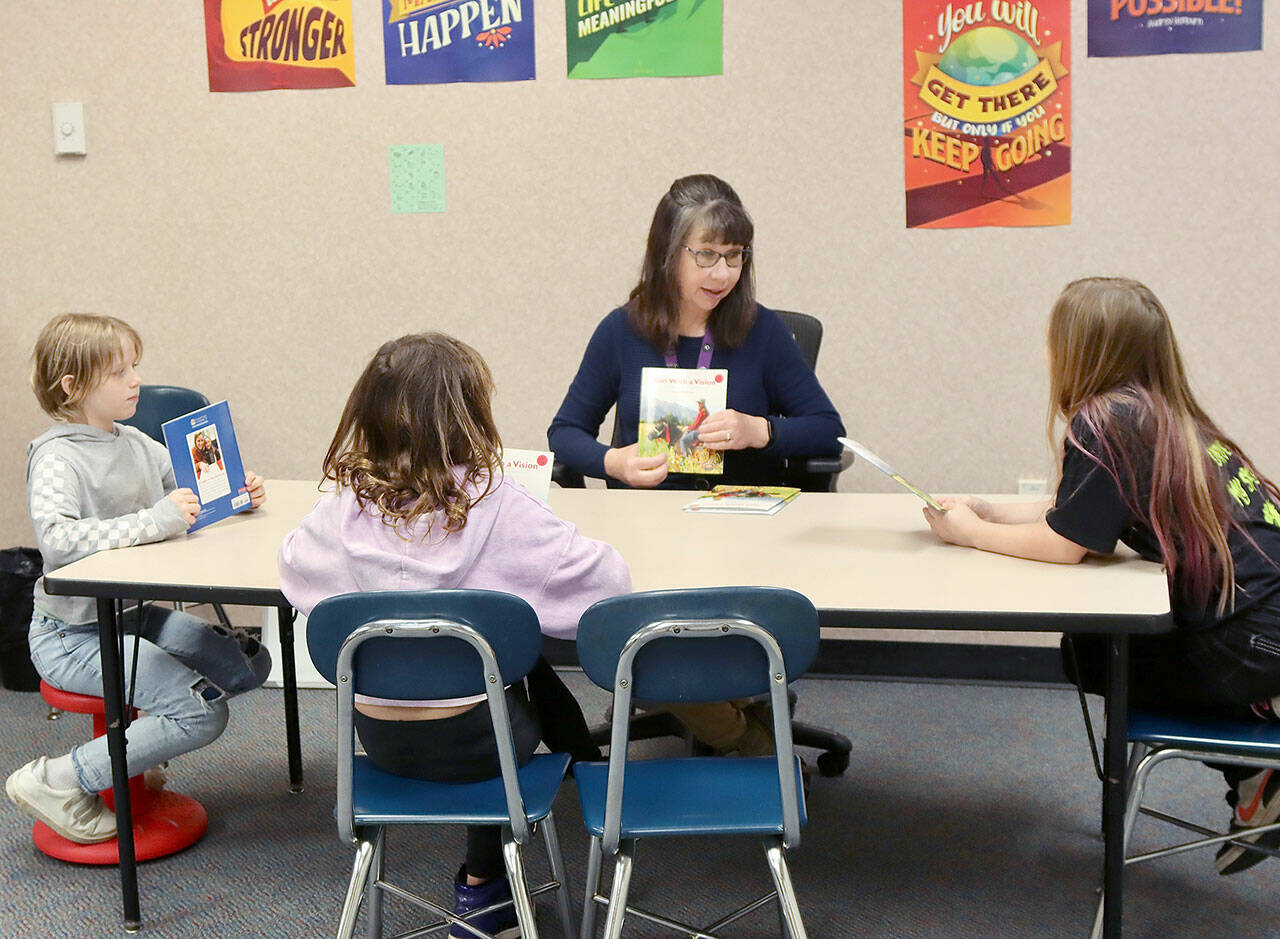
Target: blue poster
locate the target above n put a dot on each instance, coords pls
(434, 41)
(1156, 27)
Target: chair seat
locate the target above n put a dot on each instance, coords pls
(382, 798)
(718, 796)
(1221, 735)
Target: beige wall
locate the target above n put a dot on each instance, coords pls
(249, 237)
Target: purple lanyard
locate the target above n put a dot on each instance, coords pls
(704, 354)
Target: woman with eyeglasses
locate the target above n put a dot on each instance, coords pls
(695, 307)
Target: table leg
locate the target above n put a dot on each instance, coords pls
(285, 619)
(1115, 761)
(109, 627)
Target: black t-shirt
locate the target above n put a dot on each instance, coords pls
(1091, 510)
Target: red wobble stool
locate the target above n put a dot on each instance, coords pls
(164, 822)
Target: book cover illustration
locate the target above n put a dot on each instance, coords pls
(743, 500)
(889, 471)
(202, 448)
(530, 468)
(673, 404)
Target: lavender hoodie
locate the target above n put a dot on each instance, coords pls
(511, 542)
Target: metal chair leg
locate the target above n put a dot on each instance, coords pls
(355, 890)
(775, 854)
(556, 862)
(618, 894)
(373, 896)
(519, 887)
(594, 861)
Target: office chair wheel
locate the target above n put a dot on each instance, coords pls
(832, 763)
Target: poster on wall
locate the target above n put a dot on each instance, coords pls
(630, 38)
(1157, 27)
(436, 41)
(258, 45)
(987, 113)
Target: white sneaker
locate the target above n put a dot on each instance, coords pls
(76, 815)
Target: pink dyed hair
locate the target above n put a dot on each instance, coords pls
(1111, 348)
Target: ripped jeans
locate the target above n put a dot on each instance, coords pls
(187, 669)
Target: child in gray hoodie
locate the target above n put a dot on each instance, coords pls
(92, 485)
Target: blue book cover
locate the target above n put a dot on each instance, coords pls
(202, 448)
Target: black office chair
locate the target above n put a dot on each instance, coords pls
(160, 403)
(810, 474)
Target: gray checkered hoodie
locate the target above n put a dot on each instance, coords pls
(89, 490)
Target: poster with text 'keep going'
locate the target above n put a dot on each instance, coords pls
(987, 113)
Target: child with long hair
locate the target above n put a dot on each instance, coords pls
(1144, 464)
(418, 501)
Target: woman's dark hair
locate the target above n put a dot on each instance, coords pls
(708, 205)
(420, 408)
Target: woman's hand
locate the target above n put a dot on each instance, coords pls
(733, 430)
(625, 464)
(256, 487)
(958, 524)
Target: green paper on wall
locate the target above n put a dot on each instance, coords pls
(417, 177)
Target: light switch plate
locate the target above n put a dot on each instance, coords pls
(68, 127)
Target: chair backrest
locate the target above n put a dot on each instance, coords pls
(425, 645)
(160, 403)
(807, 331)
(707, 644)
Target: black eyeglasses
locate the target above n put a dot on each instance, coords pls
(707, 257)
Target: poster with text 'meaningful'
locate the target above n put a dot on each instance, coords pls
(987, 113)
(258, 45)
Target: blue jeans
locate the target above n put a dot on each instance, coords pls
(187, 669)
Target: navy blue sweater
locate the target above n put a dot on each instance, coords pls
(767, 376)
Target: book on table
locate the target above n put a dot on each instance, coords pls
(743, 500)
(530, 468)
(889, 471)
(206, 459)
(673, 404)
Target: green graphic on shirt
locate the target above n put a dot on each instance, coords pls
(1219, 453)
(628, 38)
(1248, 479)
(1270, 513)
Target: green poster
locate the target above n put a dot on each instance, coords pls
(626, 38)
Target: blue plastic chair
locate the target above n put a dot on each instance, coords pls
(160, 403)
(1159, 735)
(424, 645)
(709, 644)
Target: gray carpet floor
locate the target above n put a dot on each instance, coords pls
(967, 811)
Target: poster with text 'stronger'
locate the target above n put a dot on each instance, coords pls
(436, 41)
(259, 45)
(987, 113)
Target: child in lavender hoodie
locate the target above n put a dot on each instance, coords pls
(417, 502)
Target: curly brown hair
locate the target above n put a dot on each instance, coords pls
(419, 411)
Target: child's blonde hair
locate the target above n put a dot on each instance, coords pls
(420, 408)
(1111, 349)
(82, 345)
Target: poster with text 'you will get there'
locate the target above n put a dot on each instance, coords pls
(986, 112)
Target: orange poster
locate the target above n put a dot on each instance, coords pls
(255, 45)
(987, 113)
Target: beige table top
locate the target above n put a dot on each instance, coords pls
(864, 559)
